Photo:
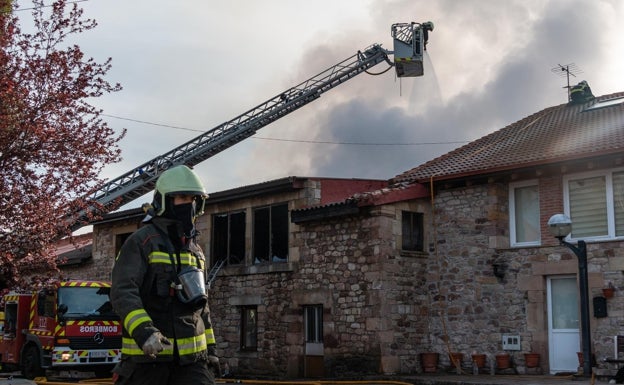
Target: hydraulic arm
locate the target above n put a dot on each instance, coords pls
(409, 40)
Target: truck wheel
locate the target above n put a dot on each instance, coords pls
(31, 363)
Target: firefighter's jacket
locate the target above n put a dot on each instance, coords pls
(581, 93)
(143, 296)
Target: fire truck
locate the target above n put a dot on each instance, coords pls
(69, 329)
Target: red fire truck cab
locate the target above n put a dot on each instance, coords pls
(68, 328)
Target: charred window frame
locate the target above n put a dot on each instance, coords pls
(270, 234)
(249, 328)
(412, 235)
(228, 237)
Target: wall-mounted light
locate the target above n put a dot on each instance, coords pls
(499, 269)
(560, 226)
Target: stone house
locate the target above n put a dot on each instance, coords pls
(496, 273)
(266, 286)
(337, 277)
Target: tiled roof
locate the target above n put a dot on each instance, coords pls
(560, 133)
(75, 251)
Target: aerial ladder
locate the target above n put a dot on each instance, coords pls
(410, 41)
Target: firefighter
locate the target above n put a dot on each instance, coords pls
(580, 93)
(158, 290)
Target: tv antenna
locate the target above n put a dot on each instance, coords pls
(567, 70)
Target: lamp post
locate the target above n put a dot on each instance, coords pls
(560, 226)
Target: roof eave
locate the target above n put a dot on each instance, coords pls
(275, 186)
(515, 167)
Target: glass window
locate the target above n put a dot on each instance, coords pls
(81, 301)
(564, 303)
(524, 214)
(45, 303)
(618, 202)
(270, 234)
(249, 328)
(588, 207)
(605, 103)
(412, 234)
(313, 323)
(595, 204)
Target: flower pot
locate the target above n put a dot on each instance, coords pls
(608, 292)
(531, 360)
(503, 361)
(429, 362)
(581, 359)
(456, 358)
(479, 360)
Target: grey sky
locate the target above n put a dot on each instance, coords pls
(196, 64)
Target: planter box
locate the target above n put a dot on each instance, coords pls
(429, 362)
(479, 360)
(531, 360)
(503, 361)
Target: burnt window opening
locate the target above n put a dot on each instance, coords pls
(270, 234)
(412, 225)
(228, 237)
(249, 328)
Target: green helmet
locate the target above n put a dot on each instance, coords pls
(178, 180)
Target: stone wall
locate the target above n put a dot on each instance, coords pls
(372, 318)
(107, 240)
(471, 308)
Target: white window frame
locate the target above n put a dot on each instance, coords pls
(608, 175)
(512, 214)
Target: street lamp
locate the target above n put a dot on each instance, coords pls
(560, 226)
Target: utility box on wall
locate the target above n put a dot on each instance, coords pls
(600, 307)
(511, 342)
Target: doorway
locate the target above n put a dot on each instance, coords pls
(563, 323)
(313, 329)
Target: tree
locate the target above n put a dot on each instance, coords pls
(53, 143)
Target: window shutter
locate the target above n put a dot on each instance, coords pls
(588, 207)
(618, 202)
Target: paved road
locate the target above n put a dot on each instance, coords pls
(486, 379)
(423, 379)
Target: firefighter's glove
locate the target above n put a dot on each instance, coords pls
(155, 344)
(213, 361)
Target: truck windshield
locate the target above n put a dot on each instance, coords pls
(91, 302)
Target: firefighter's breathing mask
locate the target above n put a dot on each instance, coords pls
(185, 214)
(193, 290)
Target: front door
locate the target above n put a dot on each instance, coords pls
(563, 324)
